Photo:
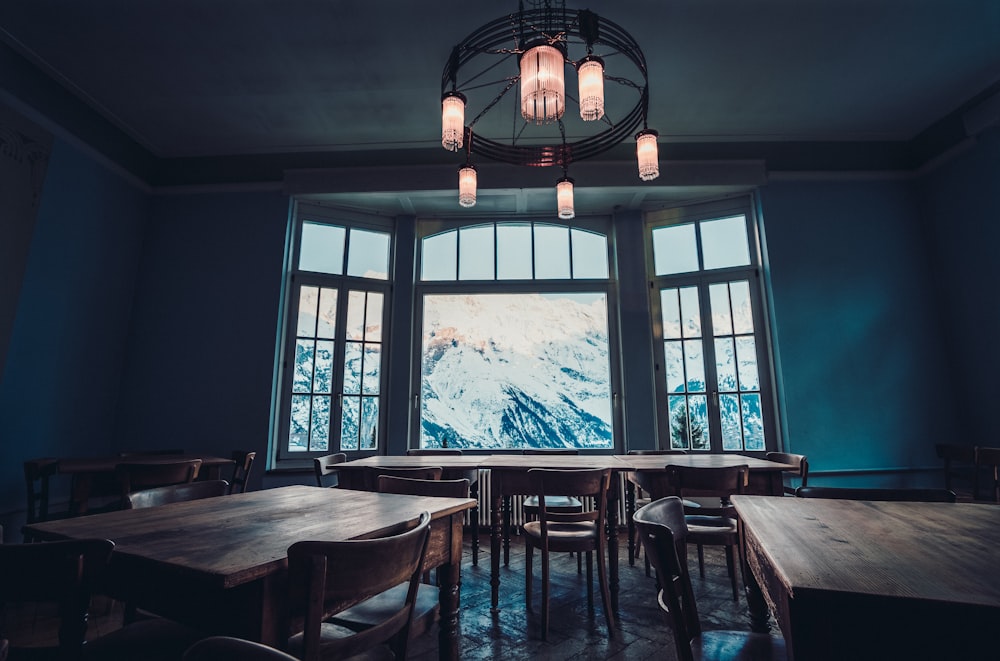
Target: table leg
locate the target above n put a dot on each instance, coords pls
(474, 522)
(756, 604)
(496, 533)
(629, 511)
(450, 583)
(613, 548)
(506, 530)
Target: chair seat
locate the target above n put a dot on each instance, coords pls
(329, 633)
(714, 524)
(558, 504)
(560, 532)
(377, 609)
(738, 646)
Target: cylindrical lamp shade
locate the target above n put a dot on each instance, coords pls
(467, 186)
(564, 198)
(647, 153)
(543, 84)
(590, 74)
(452, 121)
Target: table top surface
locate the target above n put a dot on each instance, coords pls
(518, 461)
(108, 463)
(234, 539)
(701, 460)
(946, 552)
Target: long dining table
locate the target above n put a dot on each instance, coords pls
(220, 564)
(852, 579)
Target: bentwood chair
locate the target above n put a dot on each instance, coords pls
(147, 475)
(226, 648)
(959, 468)
(663, 533)
(426, 604)
(176, 493)
(37, 474)
(324, 575)
(242, 463)
(799, 460)
(852, 493)
(412, 472)
(558, 531)
(472, 474)
(325, 469)
(555, 503)
(988, 459)
(642, 498)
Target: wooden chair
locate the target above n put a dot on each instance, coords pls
(555, 503)
(37, 474)
(988, 459)
(176, 493)
(323, 576)
(242, 463)
(557, 531)
(147, 475)
(641, 499)
(325, 469)
(710, 524)
(851, 493)
(412, 472)
(426, 604)
(798, 459)
(663, 532)
(959, 468)
(226, 648)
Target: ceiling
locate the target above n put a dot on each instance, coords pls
(208, 86)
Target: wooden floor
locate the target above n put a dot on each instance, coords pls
(576, 631)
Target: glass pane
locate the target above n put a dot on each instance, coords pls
(724, 242)
(349, 418)
(327, 325)
(746, 356)
(368, 256)
(322, 248)
(732, 431)
(698, 419)
(373, 368)
(373, 317)
(369, 423)
(513, 251)
(690, 312)
(722, 320)
(694, 363)
(475, 253)
(439, 256)
(302, 372)
(670, 311)
(320, 439)
(516, 370)
(352, 368)
(674, 249)
(742, 310)
(673, 368)
(551, 252)
(356, 315)
(725, 364)
(679, 439)
(298, 431)
(323, 378)
(753, 423)
(590, 254)
(306, 326)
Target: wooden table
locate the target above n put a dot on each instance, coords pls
(90, 472)
(220, 563)
(875, 580)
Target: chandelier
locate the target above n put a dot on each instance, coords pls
(512, 70)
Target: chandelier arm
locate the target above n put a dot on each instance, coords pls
(496, 100)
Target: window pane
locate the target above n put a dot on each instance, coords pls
(438, 256)
(722, 320)
(690, 312)
(698, 419)
(674, 249)
(352, 368)
(753, 422)
(368, 256)
(373, 317)
(320, 437)
(590, 254)
(679, 437)
(372, 369)
(475, 253)
(724, 242)
(323, 379)
(327, 321)
(694, 363)
(298, 432)
(673, 369)
(302, 373)
(349, 419)
(322, 248)
(671, 313)
(742, 310)
(513, 251)
(306, 326)
(356, 315)
(551, 252)
(516, 370)
(725, 364)
(369, 423)
(732, 432)
(746, 355)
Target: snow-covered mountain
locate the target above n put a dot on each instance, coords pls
(516, 370)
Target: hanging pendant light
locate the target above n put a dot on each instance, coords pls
(564, 198)
(543, 84)
(467, 186)
(590, 74)
(647, 153)
(452, 120)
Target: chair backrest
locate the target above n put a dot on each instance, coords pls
(989, 459)
(226, 648)
(592, 482)
(799, 460)
(657, 451)
(714, 482)
(37, 473)
(415, 487)
(663, 533)
(136, 476)
(325, 577)
(550, 451)
(429, 452)
(851, 493)
(325, 469)
(64, 573)
(413, 472)
(149, 453)
(242, 463)
(176, 493)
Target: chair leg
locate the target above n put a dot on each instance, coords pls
(590, 578)
(701, 561)
(730, 566)
(529, 553)
(545, 594)
(602, 579)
